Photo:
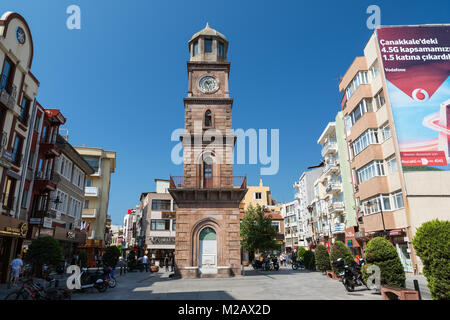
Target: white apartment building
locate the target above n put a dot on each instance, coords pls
(290, 212)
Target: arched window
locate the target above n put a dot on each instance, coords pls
(208, 118)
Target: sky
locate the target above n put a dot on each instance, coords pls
(120, 80)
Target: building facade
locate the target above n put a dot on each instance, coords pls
(95, 216)
(208, 231)
(290, 212)
(258, 195)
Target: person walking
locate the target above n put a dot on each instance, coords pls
(16, 268)
(166, 262)
(145, 262)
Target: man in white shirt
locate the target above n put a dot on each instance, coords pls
(145, 262)
(16, 267)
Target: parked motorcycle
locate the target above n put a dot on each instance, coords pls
(256, 264)
(298, 264)
(351, 276)
(271, 264)
(95, 279)
(109, 276)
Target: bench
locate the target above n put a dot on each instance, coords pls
(398, 293)
(332, 275)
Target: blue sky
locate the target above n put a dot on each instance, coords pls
(120, 80)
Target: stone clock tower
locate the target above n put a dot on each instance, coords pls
(208, 231)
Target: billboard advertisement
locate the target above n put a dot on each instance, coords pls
(416, 63)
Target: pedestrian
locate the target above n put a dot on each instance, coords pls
(145, 262)
(16, 267)
(166, 262)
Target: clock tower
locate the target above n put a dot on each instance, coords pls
(208, 195)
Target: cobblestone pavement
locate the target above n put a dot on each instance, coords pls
(255, 285)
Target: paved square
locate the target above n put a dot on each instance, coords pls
(284, 284)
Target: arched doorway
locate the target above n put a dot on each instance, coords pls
(207, 251)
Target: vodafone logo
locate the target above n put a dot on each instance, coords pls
(420, 95)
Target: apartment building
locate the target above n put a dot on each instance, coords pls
(290, 212)
(392, 200)
(258, 195)
(159, 220)
(18, 89)
(116, 235)
(95, 216)
(304, 196)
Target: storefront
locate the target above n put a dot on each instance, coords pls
(69, 240)
(400, 241)
(12, 233)
(351, 242)
(159, 247)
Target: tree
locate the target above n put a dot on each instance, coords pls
(111, 256)
(257, 231)
(300, 253)
(432, 245)
(43, 250)
(340, 250)
(322, 258)
(310, 261)
(382, 253)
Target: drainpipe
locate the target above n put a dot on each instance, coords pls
(25, 160)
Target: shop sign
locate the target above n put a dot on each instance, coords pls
(35, 220)
(162, 240)
(70, 235)
(350, 243)
(47, 222)
(168, 215)
(20, 231)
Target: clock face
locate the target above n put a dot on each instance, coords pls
(20, 35)
(208, 84)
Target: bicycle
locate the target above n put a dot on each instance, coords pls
(28, 291)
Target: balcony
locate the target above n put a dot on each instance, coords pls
(330, 147)
(334, 187)
(46, 181)
(91, 191)
(89, 213)
(331, 167)
(8, 93)
(338, 228)
(336, 207)
(213, 182)
(48, 147)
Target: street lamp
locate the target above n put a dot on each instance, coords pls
(373, 205)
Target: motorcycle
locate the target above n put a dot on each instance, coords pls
(271, 264)
(298, 264)
(93, 280)
(109, 276)
(351, 276)
(256, 264)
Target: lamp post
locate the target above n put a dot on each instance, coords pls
(373, 204)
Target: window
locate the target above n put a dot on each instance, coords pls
(386, 132)
(360, 78)
(391, 163)
(160, 205)
(16, 149)
(44, 134)
(31, 160)
(208, 45)
(376, 204)
(88, 182)
(363, 107)
(374, 70)
(25, 198)
(220, 48)
(398, 200)
(276, 224)
(86, 204)
(370, 170)
(195, 48)
(208, 118)
(379, 99)
(7, 77)
(94, 162)
(23, 117)
(37, 123)
(8, 196)
(160, 224)
(370, 136)
(174, 225)
(258, 196)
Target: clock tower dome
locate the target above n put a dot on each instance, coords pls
(208, 195)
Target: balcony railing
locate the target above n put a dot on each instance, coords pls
(338, 228)
(91, 191)
(8, 93)
(334, 187)
(89, 213)
(336, 206)
(329, 148)
(214, 182)
(331, 167)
